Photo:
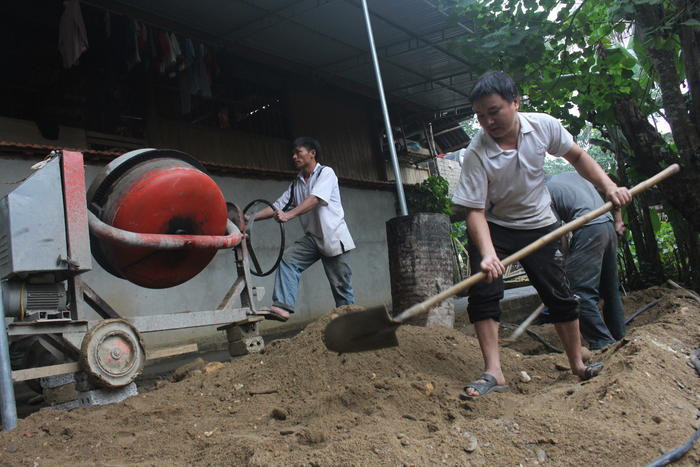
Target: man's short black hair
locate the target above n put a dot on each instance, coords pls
(495, 82)
(309, 143)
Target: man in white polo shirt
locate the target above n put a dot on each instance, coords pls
(313, 197)
(508, 207)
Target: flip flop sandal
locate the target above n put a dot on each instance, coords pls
(270, 314)
(489, 384)
(592, 370)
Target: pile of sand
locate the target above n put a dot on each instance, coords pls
(299, 404)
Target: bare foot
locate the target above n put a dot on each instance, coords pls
(281, 312)
(585, 354)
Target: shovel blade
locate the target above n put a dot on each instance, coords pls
(360, 331)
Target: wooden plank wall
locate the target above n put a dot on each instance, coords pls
(341, 122)
(220, 146)
(344, 125)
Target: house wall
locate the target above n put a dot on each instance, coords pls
(342, 124)
(366, 212)
(450, 170)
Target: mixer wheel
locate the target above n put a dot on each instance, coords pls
(112, 353)
(255, 267)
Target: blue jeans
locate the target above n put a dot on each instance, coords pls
(297, 258)
(592, 271)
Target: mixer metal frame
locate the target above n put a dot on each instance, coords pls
(64, 333)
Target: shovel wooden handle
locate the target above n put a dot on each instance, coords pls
(523, 326)
(425, 305)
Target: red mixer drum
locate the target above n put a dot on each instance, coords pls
(156, 191)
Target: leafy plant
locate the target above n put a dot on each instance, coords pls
(429, 196)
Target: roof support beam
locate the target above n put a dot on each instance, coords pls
(271, 18)
(241, 50)
(410, 33)
(7, 392)
(392, 50)
(282, 16)
(339, 41)
(385, 112)
(442, 12)
(432, 81)
(288, 13)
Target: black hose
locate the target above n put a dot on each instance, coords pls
(536, 336)
(680, 451)
(641, 310)
(677, 453)
(627, 321)
(249, 230)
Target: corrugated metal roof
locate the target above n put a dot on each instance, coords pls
(413, 39)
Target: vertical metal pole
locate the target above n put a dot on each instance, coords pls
(385, 112)
(7, 391)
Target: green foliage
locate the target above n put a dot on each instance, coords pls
(576, 60)
(429, 196)
(459, 232)
(594, 143)
(668, 247)
(556, 165)
(471, 126)
(459, 237)
(571, 65)
(591, 140)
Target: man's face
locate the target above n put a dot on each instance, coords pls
(497, 116)
(303, 158)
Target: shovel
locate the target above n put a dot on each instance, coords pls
(375, 328)
(523, 326)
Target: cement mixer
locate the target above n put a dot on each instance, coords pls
(152, 217)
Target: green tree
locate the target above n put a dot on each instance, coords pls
(573, 64)
(591, 140)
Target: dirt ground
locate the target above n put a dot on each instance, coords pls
(299, 404)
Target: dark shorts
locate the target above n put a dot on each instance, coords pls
(544, 268)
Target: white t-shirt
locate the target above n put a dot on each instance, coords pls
(326, 222)
(509, 184)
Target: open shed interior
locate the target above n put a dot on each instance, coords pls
(231, 83)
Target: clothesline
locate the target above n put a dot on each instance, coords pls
(193, 62)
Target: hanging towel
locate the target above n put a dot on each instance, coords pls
(72, 37)
(203, 78)
(108, 23)
(132, 46)
(188, 52)
(175, 47)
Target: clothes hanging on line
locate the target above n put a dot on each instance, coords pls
(72, 35)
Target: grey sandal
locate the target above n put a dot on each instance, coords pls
(484, 384)
(592, 370)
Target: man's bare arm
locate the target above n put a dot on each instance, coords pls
(307, 205)
(619, 223)
(265, 213)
